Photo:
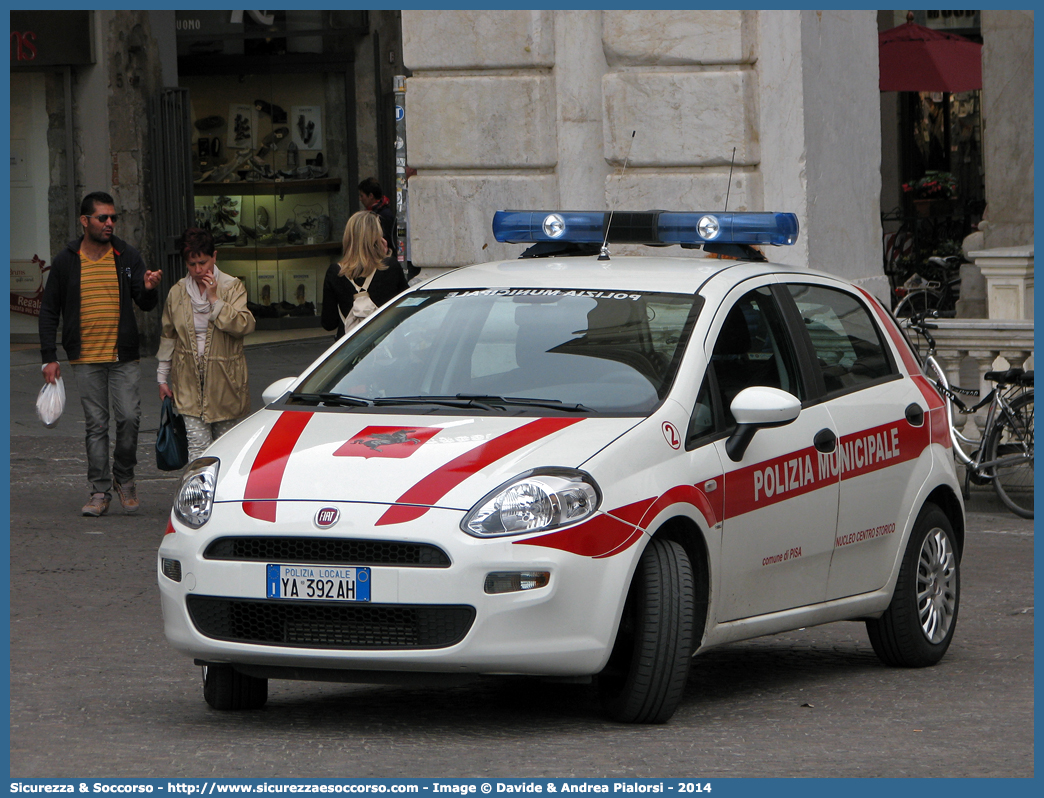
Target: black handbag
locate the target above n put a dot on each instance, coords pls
(171, 439)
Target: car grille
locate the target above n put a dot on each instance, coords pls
(326, 625)
(327, 550)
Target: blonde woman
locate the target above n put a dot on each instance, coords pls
(365, 264)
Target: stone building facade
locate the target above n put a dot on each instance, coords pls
(541, 109)
(81, 87)
(108, 133)
(1008, 121)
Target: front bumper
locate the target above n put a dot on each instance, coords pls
(421, 618)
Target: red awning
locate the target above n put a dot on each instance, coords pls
(916, 58)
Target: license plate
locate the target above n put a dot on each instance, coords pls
(318, 583)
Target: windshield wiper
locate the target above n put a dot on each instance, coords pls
(340, 399)
(442, 401)
(526, 401)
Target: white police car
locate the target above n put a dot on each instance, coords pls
(576, 465)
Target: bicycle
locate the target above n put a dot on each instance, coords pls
(1003, 454)
(920, 295)
(897, 248)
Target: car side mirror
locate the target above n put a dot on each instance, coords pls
(277, 389)
(757, 407)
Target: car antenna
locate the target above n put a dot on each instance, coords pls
(604, 255)
(729, 189)
(743, 251)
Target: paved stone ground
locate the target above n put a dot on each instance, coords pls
(97, 692)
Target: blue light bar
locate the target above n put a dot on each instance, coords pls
(646, 227)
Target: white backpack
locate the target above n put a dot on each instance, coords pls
(362, 305)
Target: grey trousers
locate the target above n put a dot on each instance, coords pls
(99, 384)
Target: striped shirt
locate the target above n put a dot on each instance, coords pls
(99, 309)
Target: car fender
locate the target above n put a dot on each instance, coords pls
(935, 458)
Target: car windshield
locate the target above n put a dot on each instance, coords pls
(518, 351)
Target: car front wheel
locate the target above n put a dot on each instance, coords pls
(226, 688)
(918, 625)
(645, 677)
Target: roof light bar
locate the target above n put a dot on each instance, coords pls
(656, 228)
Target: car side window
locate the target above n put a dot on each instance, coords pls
(701, 422)
(846, 341)
(753, 349)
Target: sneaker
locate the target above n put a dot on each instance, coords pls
(98, 505)
(128, 494)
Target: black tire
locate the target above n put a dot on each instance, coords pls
(918, 301)
(645, 677)
(1013, 438)
(225, 688)
(918, 625)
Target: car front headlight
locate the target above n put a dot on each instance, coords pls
(195, 497)
(534, 501)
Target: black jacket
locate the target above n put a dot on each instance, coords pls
(339, 292)
(61, 298)
(386, 213)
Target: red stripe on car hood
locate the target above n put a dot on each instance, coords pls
(415, 502)
(266, 474)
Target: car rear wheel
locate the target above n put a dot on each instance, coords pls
(226, 688)
(918, 625)
(645, 677)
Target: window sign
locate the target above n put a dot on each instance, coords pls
(51, 38)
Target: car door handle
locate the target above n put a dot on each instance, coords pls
(825, 441)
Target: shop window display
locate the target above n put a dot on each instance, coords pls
(263, 186)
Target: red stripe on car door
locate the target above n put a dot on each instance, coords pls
(415, 502)
(938, 423)
(266, 474)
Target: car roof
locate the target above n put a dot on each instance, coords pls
(679, 275)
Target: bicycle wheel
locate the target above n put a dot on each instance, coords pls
(918, 301)
(1012, 440)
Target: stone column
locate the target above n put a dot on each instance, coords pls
(1008, 119)
(579, 70)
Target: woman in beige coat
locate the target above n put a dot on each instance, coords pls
(201, 360)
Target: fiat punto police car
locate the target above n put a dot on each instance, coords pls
(576, 465)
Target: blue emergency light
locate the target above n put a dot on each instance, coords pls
(654, 228)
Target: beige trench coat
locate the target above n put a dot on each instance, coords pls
(224, 395)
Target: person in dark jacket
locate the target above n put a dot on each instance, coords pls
(91, 285)
(364, 258)
(372, 199)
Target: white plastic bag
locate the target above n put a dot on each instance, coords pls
(50, 402)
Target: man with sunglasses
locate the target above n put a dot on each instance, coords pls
(90, 288)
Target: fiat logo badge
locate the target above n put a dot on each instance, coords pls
(327, 517)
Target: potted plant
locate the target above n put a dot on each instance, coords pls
(933, 194)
